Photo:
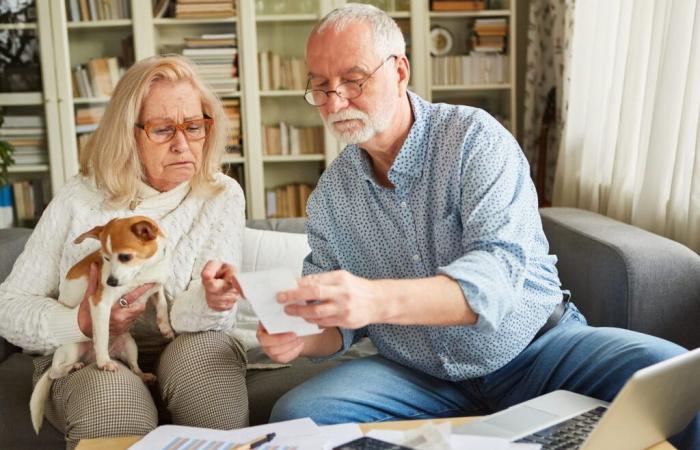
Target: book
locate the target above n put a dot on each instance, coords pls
(22, 121)
(457, 5)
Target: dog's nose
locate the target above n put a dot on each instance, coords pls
(112, 281)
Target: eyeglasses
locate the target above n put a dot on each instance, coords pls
(347, 90)
(162, 131)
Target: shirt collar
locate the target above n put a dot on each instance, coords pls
(409, 161)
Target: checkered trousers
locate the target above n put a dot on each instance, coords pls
(201, 382)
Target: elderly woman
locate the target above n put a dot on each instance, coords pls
(157, 153)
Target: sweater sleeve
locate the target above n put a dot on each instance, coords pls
(30, 315)
(224, 219)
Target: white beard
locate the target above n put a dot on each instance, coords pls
(354, 133)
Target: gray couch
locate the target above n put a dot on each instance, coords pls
(619, 276)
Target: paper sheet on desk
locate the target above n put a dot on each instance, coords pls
(261, 288)
(171, 437)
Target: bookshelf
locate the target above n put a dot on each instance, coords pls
(276, 28)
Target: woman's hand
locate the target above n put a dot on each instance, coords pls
(121, 317)
(220, 285)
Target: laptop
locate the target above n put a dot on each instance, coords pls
(655, 403)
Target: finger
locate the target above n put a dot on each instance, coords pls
(317, 311)
(290, 355)
(210, 269)
(224, 271)
(284, 349)
(327, 322)
(138, 292)
(310, 292)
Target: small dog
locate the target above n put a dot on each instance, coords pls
(132, 253)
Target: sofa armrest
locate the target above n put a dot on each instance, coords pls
(12, 242)
(6, 349)
(622, 276)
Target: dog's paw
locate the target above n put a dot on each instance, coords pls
(148, 378)
(109, 365)
(77, 366)
(167, 332)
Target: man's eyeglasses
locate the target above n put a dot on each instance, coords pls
(347, 90)
(162, 131)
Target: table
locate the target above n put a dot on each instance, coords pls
(122, 443)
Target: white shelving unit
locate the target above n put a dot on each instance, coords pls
(260, 25)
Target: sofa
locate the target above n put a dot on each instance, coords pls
(619, 275)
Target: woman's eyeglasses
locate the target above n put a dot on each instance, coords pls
(162, 131)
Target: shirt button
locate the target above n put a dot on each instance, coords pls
(416, 257)
(403, 204)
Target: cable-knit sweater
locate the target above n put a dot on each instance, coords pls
(197, 230)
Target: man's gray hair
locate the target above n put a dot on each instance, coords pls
(386, 34)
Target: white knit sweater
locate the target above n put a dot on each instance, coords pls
(197, 230)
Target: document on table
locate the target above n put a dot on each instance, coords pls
(300, 434)
(261, 288)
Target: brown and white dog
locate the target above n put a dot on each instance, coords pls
(132, 253)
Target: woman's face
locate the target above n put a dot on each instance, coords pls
(171, 163)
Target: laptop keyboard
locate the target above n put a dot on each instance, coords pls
(569, 434)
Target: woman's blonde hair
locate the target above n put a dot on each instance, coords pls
(111, 156)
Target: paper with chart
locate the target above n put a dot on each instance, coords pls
(261, 288)
(299, 434)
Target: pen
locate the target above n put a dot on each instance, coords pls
(255, 443)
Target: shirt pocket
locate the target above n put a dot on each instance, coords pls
(447, 238)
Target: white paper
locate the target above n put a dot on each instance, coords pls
(261, 288)
(169, 437)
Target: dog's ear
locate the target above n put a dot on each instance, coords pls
(145, 230)
(94, 233)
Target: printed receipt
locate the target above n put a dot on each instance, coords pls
(261, 288)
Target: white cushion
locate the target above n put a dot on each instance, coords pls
(265, 249)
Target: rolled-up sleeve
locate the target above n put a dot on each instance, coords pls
(323, 259)
(497, 207)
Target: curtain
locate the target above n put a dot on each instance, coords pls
(549, 30)
(631, 143)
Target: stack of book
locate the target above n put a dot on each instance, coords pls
(26, 134)
(232, 108)
(281, 73)
(215, 56)
(489, 35)
(476, 68)
(97, 78)
(86, 121)
(29, 198)
(285, 139)
(204, 9)
(87, 118)
(89, 10)
(457, 5)
(287, 201)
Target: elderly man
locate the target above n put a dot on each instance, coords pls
(425, 236)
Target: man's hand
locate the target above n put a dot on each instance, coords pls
(120, 318)
(337, 299)
(220, 285)
(282, 347)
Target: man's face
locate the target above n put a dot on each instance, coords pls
(348, 56)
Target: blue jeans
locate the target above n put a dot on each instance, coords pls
(572, 356)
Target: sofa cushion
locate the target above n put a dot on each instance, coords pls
(264, 249)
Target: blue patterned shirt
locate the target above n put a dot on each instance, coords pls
(463, 205)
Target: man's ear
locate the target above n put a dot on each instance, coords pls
(94, 233)
(145, 230)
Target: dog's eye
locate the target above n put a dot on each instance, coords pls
(106, 259)
(124, 257)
